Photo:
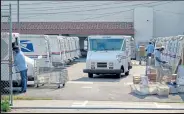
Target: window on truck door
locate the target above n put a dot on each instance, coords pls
(124, 46)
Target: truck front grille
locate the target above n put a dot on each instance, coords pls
(102, 65)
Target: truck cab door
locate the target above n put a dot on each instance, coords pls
(86, 44)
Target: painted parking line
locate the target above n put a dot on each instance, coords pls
(162, 106)
(79, 82)
(79, 104)
(128, 83)
(85, 87)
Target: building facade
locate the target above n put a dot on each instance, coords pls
(143, 20)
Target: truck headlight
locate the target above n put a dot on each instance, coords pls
(92, 64)
(120, 57)
(111, 64)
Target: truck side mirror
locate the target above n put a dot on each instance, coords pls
(85, 45)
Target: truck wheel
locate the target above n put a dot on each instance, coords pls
(118, 75)
(127, 73)
(59, 86)
(90, 75)
(37, 85)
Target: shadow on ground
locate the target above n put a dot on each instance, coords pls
(157, 98)
(182, 96)
(101, 78)
(81, 60)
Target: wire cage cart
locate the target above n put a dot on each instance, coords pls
(166, 71)
(166, 68)
(58, 76)
(49, 74)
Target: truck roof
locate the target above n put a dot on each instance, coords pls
(33, 36)
(109, 36)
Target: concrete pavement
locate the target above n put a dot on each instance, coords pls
(92, 111)
(99, 88)
(71, 104)
(102, 94)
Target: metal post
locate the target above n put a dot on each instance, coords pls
(10, 55)
(18, 17)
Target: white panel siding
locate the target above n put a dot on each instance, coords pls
(167, 20)
(143, 24)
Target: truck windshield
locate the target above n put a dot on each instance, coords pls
(105, 44)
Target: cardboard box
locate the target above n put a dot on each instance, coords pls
(167, 79)
(152, 76)
(136, 82)
(154, 71)
(174, 76)
(152, 80)
(141, 48)
(163, 90)
(142, 51)
(136, 79)
(153, 88)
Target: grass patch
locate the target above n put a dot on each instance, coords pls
(5, 106)
(24, 98)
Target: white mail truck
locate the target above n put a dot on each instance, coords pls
(108, 55)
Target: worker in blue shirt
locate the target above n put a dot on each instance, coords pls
(20, 64)
(158, 62)
(150, 50)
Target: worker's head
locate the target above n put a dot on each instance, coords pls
(150, 43)
(16, 49)
(160, 48)
(13, 45)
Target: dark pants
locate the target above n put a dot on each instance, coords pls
(23, 75)
(149, 55)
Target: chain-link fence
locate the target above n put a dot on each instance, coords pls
(6, 54)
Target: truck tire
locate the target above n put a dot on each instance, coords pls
(90, 75)
(127, 73)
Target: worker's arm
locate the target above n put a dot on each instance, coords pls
(160, 60)
(146, 48)
(15, 64)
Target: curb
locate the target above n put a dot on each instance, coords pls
(88, 107)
